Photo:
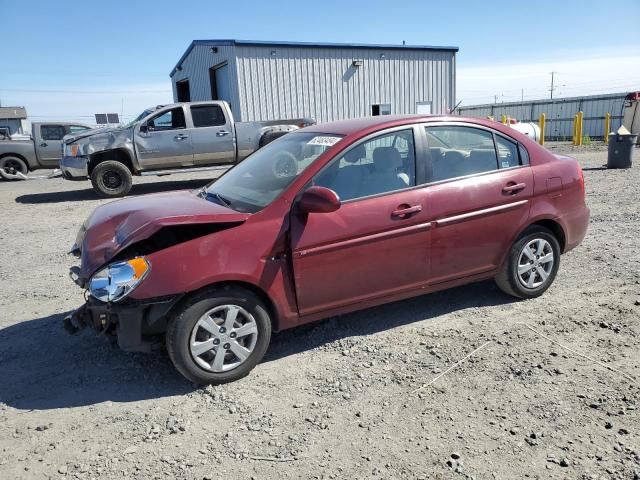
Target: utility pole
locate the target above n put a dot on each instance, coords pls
(552, 78)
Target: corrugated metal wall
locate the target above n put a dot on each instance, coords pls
(195, 68)
(559, 113)
(322, 83)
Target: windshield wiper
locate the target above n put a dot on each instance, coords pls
(222, 200)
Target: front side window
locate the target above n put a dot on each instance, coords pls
(170, 120)
(457, 151)
(77, 128)
(52, 132)
(382, 164)
(207, 116)
(256, 181)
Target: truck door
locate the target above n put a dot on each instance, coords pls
(164, 141)
(48, 143)
(212, 136)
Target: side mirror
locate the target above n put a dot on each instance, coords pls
(319, 200)
(144, 128)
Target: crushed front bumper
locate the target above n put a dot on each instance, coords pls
(74, 168)
(137, 324)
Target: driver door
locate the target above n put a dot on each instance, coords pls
(376, 243)
(164, 141)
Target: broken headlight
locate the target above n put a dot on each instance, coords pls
(116, 281)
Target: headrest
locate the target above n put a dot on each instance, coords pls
(386, 158)
(355, 154)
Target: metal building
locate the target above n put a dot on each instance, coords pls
(327, 81)
(13, 120)
(559, 113)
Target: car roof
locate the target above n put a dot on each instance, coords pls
(356, 125)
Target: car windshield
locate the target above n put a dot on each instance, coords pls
(140, 117)
(260, 178)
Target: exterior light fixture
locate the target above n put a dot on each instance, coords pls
(357, 63)
(179, 68)
(214, 49)
(273, 53)
(382, 55)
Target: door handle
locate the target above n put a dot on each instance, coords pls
(222, 133)
(180, 137)
(44, 144)
(404, 211)
(513, 187)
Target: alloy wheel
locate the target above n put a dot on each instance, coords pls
(223, 338)
(535, 263)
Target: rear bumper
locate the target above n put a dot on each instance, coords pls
(74, 168)
(137, 325)
(577, 223)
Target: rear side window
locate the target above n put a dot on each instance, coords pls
(77, 128)
(52, 132)
(507, 152)
(524, 155)
(207, 116)
(170, 120)
(457, 151)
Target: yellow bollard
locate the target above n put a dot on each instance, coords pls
(504, 119)
(541, 123)
(607, 127)
(574, 132)
(579, 132)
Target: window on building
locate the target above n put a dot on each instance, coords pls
(382, 164)
(207, 116)
(170, 120)
(458, 151)
(52, 132)
(381, 109)
(182, 91)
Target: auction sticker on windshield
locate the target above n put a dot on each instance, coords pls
(324, 141)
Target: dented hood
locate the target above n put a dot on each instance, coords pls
(113, 227)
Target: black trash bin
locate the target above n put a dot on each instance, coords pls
(621, 149)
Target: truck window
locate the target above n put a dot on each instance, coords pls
(170, 120)
(207, 116)
(52, 132)
(76, 128)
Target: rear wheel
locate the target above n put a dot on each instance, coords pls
(531, 264)
(12, 167)
(111, 179)
(219, 335)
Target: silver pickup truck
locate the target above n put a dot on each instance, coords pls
(20, 154)
(182, 137)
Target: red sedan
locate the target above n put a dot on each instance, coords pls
(330, 219)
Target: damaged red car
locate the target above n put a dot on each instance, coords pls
(323, 221)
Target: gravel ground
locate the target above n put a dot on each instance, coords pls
(335, 399)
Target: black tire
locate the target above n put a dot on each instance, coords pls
(183, 322)
(111, 179)
(10, 166)
(270, 137)
(508, 279)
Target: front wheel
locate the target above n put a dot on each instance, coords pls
(219, 335)
(111, 179)
(13, 168)
(531, 264)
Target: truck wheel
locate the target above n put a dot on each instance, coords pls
(111, 179)
(269, 137)
(531, 264)
(219, 335)
(12, 167)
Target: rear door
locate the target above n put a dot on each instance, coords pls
(167, 141)
(376, 244)
(479, 198)
(49, 143)
(212, 136)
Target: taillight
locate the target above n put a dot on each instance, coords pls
(581, 174)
